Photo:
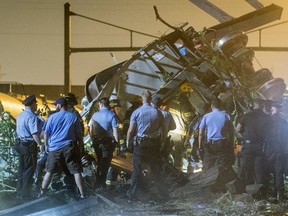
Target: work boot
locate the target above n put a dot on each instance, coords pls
(81, 197)
(42, 193)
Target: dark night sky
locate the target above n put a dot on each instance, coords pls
(32, 35)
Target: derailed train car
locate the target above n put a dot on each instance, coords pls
(187, 69)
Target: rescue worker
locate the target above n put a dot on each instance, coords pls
(277, 156)
(255, 127)
(103, 128)
(72, 102)
(168, 124)
(115, 107)
(28, 132)
(196, 156)
(218, 149)
(135, 103)
(43, 155)
(41, 163)
(146, 127)
(60, 134)
(267, 106)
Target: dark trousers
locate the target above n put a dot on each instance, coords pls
(218, 154)
(214, 160)
(104, 149)
(277, 161)
(40, 168)
(252, 163)
(27, 163)
(147, 154)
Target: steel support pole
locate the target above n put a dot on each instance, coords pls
(67, 50)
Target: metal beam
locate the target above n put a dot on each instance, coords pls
(246, 22)
(270, 49)
(260, 32)
(104, 49)
(254, 3)
(212, 10)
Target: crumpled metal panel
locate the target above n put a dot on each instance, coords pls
(247, 22)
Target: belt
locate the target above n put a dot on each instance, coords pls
(27, 141)
(148, 136)
(101, 137)
(216, 141)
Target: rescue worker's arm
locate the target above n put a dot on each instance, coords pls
(116, 134)
(188, 136)
(239, 130)
(37, 139)
(91, 125)
(91, 131)
(46, 136)
(164, 133)
(130, 133)
(115, 125)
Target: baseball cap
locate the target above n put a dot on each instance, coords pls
(61, 101)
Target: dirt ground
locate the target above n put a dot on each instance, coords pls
(198, 202)
(186, 199)
(112, 201)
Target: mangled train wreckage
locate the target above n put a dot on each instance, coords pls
(187, 69)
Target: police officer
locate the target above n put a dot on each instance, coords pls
(28, 132)
(60, 134)
(168, 124)
(103, 128)
(256, 127)
(277, 156)
(146, 126)
(218, 149)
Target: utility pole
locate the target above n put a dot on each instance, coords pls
(67, 51)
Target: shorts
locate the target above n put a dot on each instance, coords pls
(69, 154)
